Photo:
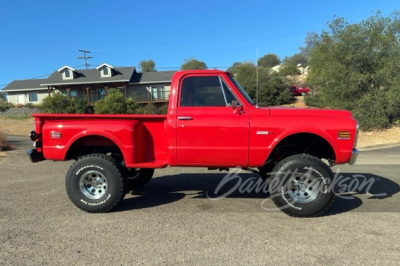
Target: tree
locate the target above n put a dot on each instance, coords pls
(269, 60)
(356, 66)
(193, 63)
(147, 65)
(272, 87)
(289, 70)
(296, 59)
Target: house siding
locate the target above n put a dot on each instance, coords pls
(23, 97)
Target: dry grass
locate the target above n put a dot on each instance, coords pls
(17, 126)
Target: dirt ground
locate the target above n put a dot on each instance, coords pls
(22, 127)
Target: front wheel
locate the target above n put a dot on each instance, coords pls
(94, 183)
(300, 186)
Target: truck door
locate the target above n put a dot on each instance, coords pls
(209, 131)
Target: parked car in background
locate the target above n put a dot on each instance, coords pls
(298, 91)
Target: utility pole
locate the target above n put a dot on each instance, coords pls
(85, 57)
(257, 78)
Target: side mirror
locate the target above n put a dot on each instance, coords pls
(234, 104)
(237, 108)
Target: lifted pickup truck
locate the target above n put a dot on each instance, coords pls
(211, 122)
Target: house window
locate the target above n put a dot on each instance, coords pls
(158, 93)
(33, 97)
(66, 73)
(101, 94)
(105, 71)
(73, 93)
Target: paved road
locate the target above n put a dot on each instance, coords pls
(171, 220)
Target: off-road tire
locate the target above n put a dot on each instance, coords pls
(94, 183)
(138, 177)
(301, 186)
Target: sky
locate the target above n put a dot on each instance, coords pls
(39, 37)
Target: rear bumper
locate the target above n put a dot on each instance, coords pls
(35, 156)
(354, 156)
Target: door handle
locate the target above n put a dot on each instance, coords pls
(185, 118)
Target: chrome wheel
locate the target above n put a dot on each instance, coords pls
(304, 188)
(93, 184)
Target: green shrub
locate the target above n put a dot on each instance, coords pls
(78, 106)
(57, 103)
(31, 105)
(115, 103)
(289, 70)
(4, 106)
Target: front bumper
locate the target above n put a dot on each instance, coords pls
(35, 156)
(354, 155)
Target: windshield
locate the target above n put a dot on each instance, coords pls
(242, 91)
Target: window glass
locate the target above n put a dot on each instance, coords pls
(33, 97)
(229, 96)
(73, 93)
(66, 73)
(159, 93)
(105, 71)
(101, 94)
(202, 91)
(242, 91)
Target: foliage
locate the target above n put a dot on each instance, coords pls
(113, 103)
(193, 63)
(5, 105)
(151, 109)
(289, 70)
(269, 60)
(273, 88)
(296, 59)
(61, 104)
(356, 66)
(78, 106)
(147, 65)
(31, 105)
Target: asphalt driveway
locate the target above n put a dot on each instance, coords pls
(172, 220)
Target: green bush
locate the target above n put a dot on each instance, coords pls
(289, 70)
(115, 103)
(370, 114)
(57, 103)
(4, 106)
(31, 105)
(78, 106)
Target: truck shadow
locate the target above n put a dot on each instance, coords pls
(172, 188)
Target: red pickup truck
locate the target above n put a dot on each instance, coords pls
(211, 122)
(295, 90)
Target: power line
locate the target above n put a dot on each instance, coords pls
(84, 57)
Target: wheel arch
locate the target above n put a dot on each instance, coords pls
(89, 144)
(302, 142)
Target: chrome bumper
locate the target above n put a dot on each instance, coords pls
(354, 156)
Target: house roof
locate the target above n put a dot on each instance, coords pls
(104, 64)
(90, 76)
(64, 67)
(152, 77)
(25, 85)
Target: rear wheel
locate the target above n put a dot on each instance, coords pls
(94, 183)
(300, 186)
(138, 177)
